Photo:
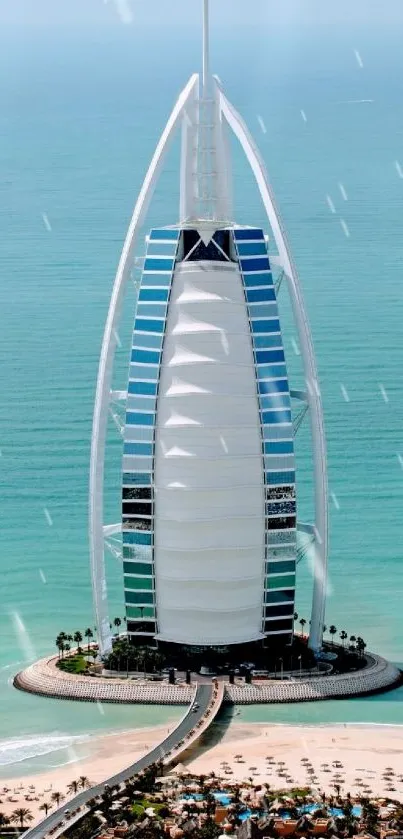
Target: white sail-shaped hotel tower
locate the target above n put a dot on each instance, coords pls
(209, 489)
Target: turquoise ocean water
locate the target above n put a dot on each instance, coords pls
(80, 113)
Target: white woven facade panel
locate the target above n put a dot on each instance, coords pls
(209, 488)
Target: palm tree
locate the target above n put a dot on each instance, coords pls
(21, 815)
(60, 645)
(78, 638)
(361, 645)
(352, 639)
(57, 797)
(4, 820)
(73, 787)
(343, 636)
(332, 631)
(295, 616)
(89, 634)
(302, 624)
(45, 806)
(117, 622)
(84, 782)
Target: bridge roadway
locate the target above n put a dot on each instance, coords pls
(203, 696)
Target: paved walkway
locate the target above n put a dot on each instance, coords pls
(209, 698)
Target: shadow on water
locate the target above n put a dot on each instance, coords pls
(217, 730)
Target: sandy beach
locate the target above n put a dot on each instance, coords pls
(364, 753)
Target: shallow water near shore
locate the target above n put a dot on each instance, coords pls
(71, 148)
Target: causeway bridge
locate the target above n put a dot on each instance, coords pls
(203, 709)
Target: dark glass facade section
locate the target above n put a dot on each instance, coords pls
(278, 493)
(143, 508)
(141, 597)
(142, 493)
(279, 611)
(144, 568)
(279, 625)
(280, 596)
(281, 508)
(141, 626)
(286, 567)
(208, 252)
(281, 523)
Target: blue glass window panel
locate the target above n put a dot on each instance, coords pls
(261, 325)
(164, 235)
(156, 264)
(258, 263)
(256, 280)
(134, 479)
(138, 448)
(161, 249)
(137, 433)
(151, 310)
(134, 462)
(153, 295)
(260, 295)
(284, 596)
(140, 597)
(141, 403)
(279, 386)
(279, 447)
(274, 401)
(272, 371)
(145, 357)
(286, 431)
(261, 341)
(263, 310)
(244, 234)
(147, 341)
(136, 537)
(252, 248)
(273, 417)
(277, 462)
(143, 388)
(269, 356)
(139, 568)
(140, 419)
(156, 280)
(280, 478)
(145, 371)
(150, 325)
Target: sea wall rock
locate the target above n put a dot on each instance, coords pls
(44, 678)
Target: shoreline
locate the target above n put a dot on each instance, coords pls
(355, 745)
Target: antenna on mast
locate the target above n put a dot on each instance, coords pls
(206, 46)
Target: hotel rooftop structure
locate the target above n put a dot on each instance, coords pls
(208, 536)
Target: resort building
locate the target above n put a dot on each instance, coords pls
(209, 505)
(209, 510)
